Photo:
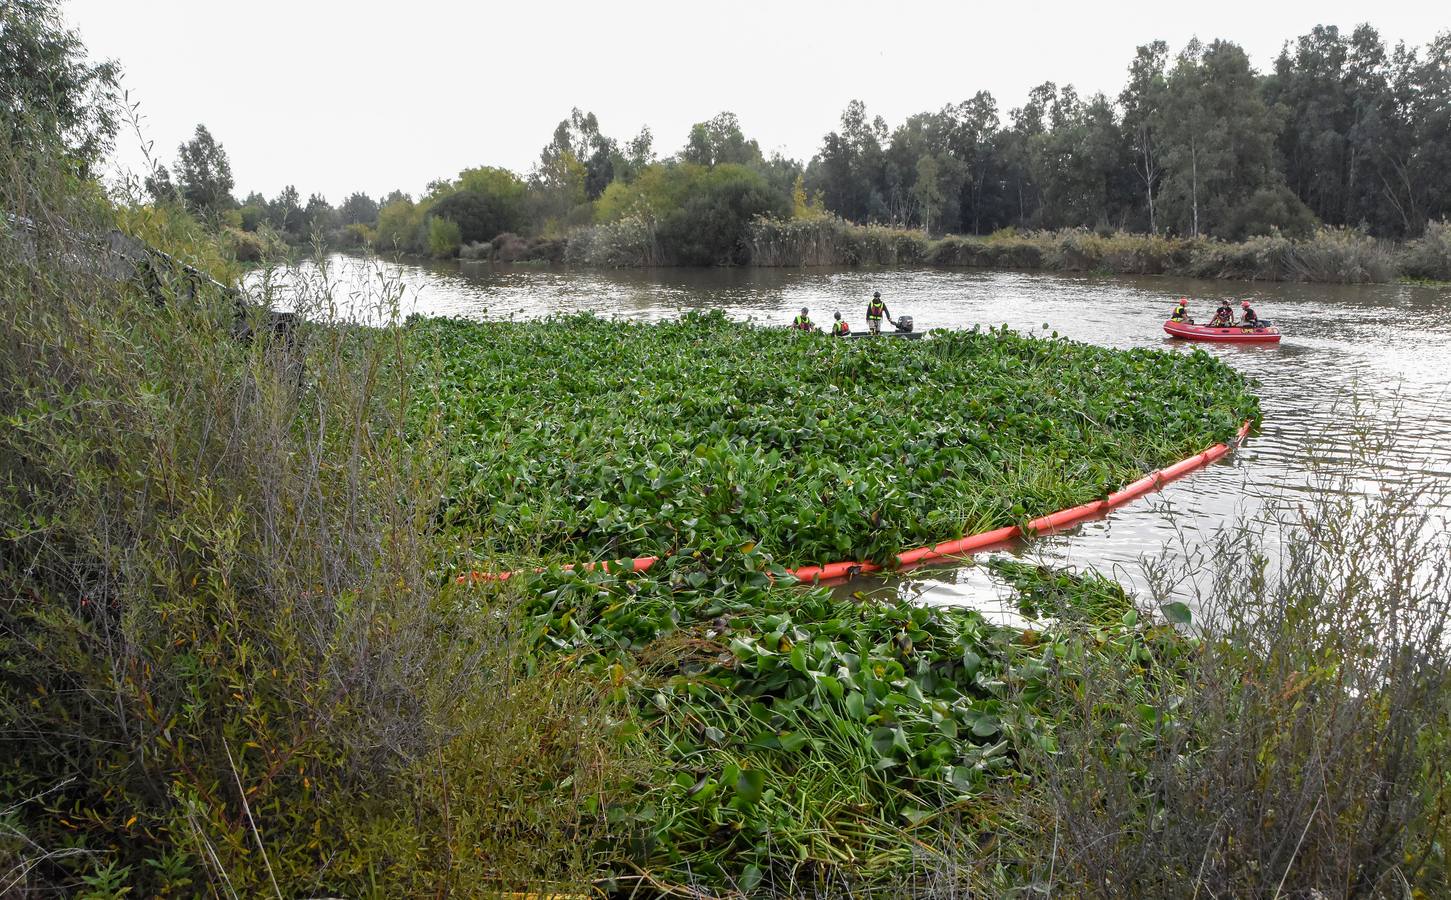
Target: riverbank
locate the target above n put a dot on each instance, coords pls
(1338, 256)
(1328, 256)
(276, 593)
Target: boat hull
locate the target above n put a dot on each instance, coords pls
(1232, 335)
(907, 335)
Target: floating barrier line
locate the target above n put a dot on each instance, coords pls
(1048, 524)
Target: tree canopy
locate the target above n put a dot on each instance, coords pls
(49, 90)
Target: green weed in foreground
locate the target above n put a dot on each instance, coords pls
(579, 438)
(800, 738)
(1058, 594)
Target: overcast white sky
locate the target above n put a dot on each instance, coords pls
(342, 96)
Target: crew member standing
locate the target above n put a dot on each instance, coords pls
(876, 311)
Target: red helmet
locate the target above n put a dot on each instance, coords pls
(1244, 303)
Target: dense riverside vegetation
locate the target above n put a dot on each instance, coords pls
(1338, 255)
(1343, 133)
(234, 660)
(583, 439)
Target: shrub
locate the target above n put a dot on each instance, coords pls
(227, 662)
(1303, 750)
(479, 216)
(814, 241)
(628, 242)
(1342, 255)
(245, 246)
(401, 227)
(1330, 255)
(443, 237)
(1429, 256)
(710, 227)
(830, 241)
(357, 235)
(1266, 257)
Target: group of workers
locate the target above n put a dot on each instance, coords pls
(876, 312)
(1223, 316)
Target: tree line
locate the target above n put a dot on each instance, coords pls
(1343, 131)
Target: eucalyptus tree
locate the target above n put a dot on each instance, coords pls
(1222, 173)
(850, 170)
(1143, 101)
(718, 141)
(359, 209)
(204, 174)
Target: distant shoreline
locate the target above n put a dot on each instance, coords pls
(1329, 256)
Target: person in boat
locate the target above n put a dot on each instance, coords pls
(839, 327)
(1181, 312)
(1224, 316)
(1248, 317)
(803, 322)
(876, 311)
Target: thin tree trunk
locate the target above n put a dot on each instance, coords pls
(1194, 184)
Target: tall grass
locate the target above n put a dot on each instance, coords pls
(229, 663)
(830, 241)
(630, 242)
(1303, 750)
(1429, 257)
(1329, 255)
(1336, 255)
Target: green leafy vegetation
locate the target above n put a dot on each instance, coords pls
(581, 438)
(797, 738)
(1045, 593)
(234, 660)
(1328, 255)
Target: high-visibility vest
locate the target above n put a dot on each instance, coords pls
(841, 328)
(875, 309)
(801, 322)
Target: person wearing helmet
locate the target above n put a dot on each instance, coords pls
(1248, 317)
(839, 327)
(876, 311)
(1181, 312)
(1224, 316)
(803, 322)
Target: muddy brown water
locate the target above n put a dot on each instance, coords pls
(1382, 349)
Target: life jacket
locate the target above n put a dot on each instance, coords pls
(841, 329)
(1222, 316)
(802, 323)
(1179, 313)
(875, 309)
(1250, 317)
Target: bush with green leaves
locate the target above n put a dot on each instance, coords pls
(443, 237)
(228, 664)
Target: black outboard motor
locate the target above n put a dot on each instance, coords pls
(904, 324)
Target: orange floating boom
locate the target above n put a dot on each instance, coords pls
(962, 546)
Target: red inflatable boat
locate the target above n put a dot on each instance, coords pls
(1265, 334)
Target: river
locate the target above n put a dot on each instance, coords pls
(1383, 348)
